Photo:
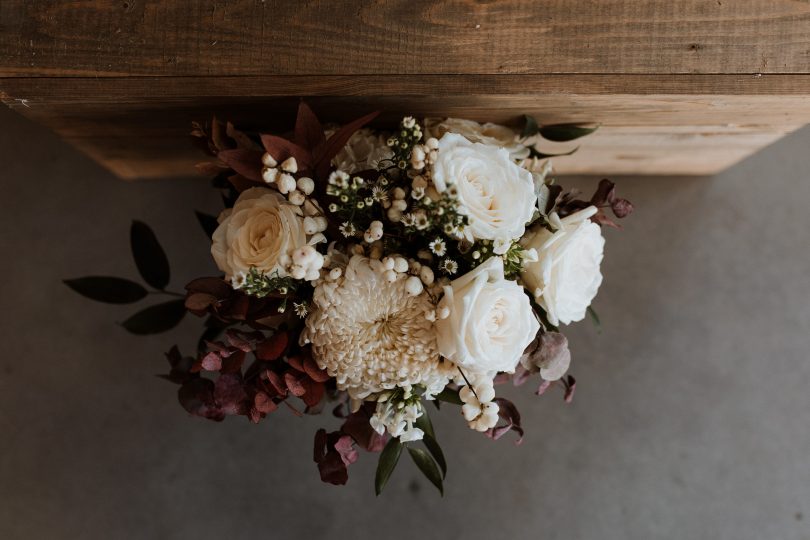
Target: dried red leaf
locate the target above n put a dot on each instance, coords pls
(293, 381)
(197, 397)
(622, 208)
(211, 362)
(276, 382)
(215, 287)
(508, 412)
(198, 303)
(333, 453)
(273, 347)
(264, 403)
(313, 393)
(230, 394)
(233, 362)
(315, 373)
(358, 427)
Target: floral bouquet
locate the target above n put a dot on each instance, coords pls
(379, 272)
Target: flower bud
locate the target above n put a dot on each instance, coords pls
(268, 160)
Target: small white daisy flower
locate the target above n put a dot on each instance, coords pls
(438, 247)
(449, 265)
(301, 309)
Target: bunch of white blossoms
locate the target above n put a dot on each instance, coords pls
(425, 283)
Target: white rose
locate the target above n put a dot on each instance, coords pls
(488, 133)
(565, 278)
(364, 151)
(490, 323)
(496, 195)
(260, 228)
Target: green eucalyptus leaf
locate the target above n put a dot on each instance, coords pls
(208, 223)
(597, 322)
(149, 255)
(428, 467)
(389, 457)
(157, 318)
(430, 441)
(533, 152)
(449, 396)
(112, 290)
(565, 132)
(530, 126)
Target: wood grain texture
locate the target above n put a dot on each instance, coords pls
(679, 86)
(346, 37)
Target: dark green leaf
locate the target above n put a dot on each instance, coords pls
(157, 318)
(533, 152)
(530, 126)
(424, 423)
(427, 466)
(430, 441)
(450, 396)
(112, 290)
(149, 256)
(208, 222)
(565, 132)
(595, 318)
(389, 458)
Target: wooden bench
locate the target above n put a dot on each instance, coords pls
(679, 87)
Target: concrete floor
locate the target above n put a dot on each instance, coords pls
(690, 419)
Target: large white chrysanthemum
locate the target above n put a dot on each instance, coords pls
(371, 335)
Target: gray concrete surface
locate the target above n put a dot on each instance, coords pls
(690, 420)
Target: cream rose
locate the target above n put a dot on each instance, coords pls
(496, 195)
(565, 278)
(490, 323)
(260, 228)
(488, 133)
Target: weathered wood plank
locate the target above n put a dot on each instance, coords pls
(138, 127)
(345, 37)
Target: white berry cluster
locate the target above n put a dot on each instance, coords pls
(479, 409)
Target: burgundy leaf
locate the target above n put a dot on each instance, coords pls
(508, 412)
(345, 447)
(247, 163)
(212, 362)
(199, 302)
(315, 373)
(230, 395)
(197, 397)
(308, 129)
(622, 208)
(264, 403)
(294, 383)
(358, 427)
(570, 386)
(331, 463)
(605, 193)
(273, 347)
(337, 141)
(281, 149)
(216, 287)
